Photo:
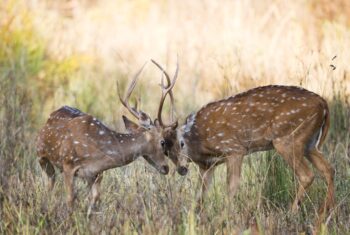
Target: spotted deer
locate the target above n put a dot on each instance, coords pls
(289, 119)
(82, 146)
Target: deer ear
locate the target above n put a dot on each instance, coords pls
(189, 122)
(145, 120)
(190, 118)
(176, 124)
(156, 123)
(130, 126)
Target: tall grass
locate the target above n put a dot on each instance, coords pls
(53, 54)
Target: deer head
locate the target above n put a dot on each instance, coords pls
(145, 125)
(171, 145)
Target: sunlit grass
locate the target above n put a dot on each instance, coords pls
(54, 54)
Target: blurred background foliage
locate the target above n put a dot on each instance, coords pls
(72, 52)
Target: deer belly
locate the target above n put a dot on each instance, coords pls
(84, 171)
(260, 146)
(215, 160)
(254, 143)
(209, 161)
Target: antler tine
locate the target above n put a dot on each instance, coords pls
(126, 104)
(172, 103)
(172, 100)
(163, 70)
(125, 101)
(165, 91)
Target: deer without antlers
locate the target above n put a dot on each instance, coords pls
(80, 145)
(290, 119)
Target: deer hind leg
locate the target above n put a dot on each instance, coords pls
(292, 153)
(205, 178)
(322, 165)
(49, 172)
(94, 193)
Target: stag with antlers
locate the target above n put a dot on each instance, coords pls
(80, 145)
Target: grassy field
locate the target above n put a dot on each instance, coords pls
(72, 53)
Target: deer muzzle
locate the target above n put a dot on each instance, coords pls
(182, 170)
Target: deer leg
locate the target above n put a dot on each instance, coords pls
(293, 155)
(49, 172)
(234, 165)
(94, 193)
(322, 165)
(205, 178)
(68, 175)
(305, 177)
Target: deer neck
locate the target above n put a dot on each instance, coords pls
(114, 152)
(188, 135)
(125, 148)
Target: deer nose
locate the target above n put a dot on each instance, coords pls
(164, 169)
(182, 170)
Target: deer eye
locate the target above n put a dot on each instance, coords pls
(162, 143)
(182, 144)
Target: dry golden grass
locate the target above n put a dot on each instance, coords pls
(72, 52)
(240, 44)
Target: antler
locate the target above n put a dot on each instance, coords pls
(125, 101)
(165, 90)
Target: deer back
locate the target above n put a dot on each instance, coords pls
(250, 121)
(54, 132)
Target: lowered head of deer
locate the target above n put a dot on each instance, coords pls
(154, 140)
(170, 144)
(172, 148)
(152, 130)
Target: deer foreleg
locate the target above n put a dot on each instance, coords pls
(94, 193)
(234, 165)
(205, 178)
(49, 172)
